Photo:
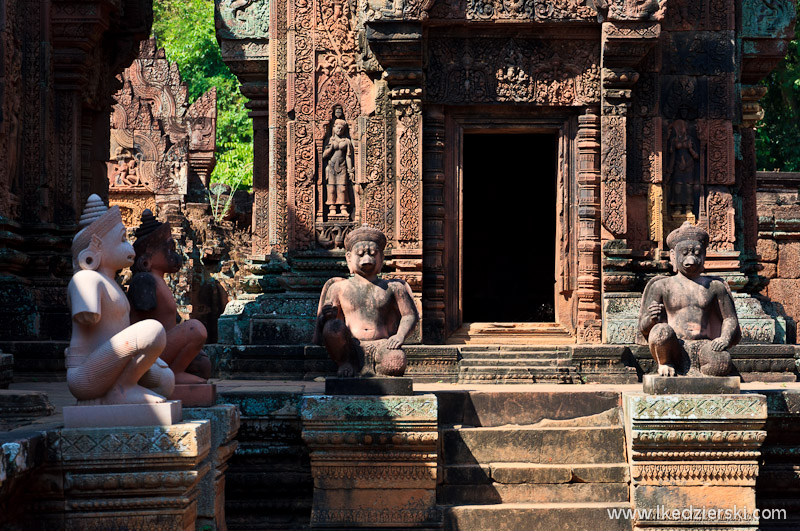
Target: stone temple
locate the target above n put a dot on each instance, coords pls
(526, 161)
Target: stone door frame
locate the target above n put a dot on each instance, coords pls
(511, 119)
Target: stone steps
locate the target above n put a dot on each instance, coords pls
(516, 456)
(516, 364)
(535, 517)
(548, 445)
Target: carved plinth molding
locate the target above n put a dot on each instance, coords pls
(225, 424)
(373, 460)
(695, 450)
(126, 477)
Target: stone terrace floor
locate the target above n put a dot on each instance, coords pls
(59, 395)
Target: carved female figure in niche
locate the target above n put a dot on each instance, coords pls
(339, 167)
(681, 167)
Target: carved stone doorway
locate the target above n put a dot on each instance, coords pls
(509, 248)
(508, 227)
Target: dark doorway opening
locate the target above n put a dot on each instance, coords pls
(508, 227)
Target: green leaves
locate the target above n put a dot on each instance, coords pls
(185, 29)
(778, 135)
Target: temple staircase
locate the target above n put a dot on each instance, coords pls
(524, 461)
(516, 364)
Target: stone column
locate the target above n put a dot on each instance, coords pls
(373, 460)
(588, 293)
(121, 478)
(224, 420)
(244, 38)
(697, 452)
(434, 326)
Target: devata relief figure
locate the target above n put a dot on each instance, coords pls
(107, 356)
(363, 320)
(681, 167)
(689, 319)
(339, 168)
(151, 298)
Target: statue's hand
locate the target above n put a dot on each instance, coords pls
(655, 310)
(396, 341)
(329, 311)
(719, 344)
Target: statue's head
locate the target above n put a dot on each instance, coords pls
(365, 247)
(338, 111)
(339, 127)
(687, 249)
(155, 247)
(102, 239)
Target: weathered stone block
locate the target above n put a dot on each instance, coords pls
(789, 260)
(769, 270)
(767, 250)
(664, 385)
(373, 459)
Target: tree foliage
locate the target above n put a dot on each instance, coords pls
(185, 29)
(778, 135)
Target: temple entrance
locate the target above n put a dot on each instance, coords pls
(509, 188)
(510, 250)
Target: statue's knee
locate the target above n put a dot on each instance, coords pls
(198, 329)
(150, 336)
(662, 334)
(393, 363)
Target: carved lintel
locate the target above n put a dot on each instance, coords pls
(632, 9)
(398, 48)
(767, 28)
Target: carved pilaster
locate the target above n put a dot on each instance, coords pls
(77, 27)
(243, 32)
(398, 48)
(588, 293)
(433, 227)
(624, 45)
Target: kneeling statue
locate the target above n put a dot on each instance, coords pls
(363, 320)
(107, 356)
(689, 319)
(151, 298)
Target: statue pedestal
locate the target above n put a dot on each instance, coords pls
(121, 478)
(691, 385)
(195, 395)
(694, 459)
(104, 416)
(211, 490)
(376, 385)
(373, 460)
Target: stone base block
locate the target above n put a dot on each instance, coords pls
(21, 407)
(711, 385)
(102, 416)
(694, 459)
(195, 395)
(398, 386)
(373, 459)
(120, 478)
